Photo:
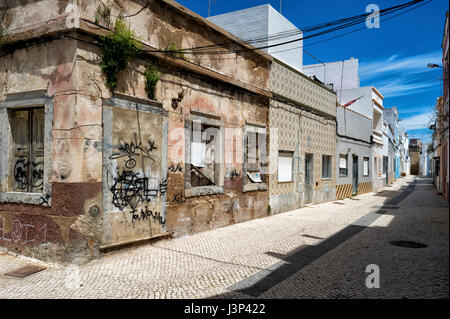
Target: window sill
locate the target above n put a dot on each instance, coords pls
(254, 187)
(285, 182)
(326, 178)
(25, 198)
(203, 190)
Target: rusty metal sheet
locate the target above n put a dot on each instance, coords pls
(25, 271)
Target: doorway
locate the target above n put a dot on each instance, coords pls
(355, 172)
(309, 179)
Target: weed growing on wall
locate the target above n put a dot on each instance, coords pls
(117, 48)
(152, 77)
(173, 47)
(103, 15)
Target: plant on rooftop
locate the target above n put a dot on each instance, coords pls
(117, 48)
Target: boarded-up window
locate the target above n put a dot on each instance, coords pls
(326, 166)
(343, 168)
(366, 166)
(285, 159)
(28, 158)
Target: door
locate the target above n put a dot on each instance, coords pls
(308, 177)
(386, 163)
(355, 172)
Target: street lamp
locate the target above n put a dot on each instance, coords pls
(432, 66)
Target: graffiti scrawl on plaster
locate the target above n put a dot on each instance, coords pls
(147, 214)
(27, 233)
(132, 150)
(132, 189)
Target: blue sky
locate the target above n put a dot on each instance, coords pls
(392, 58)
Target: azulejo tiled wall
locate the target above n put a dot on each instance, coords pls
(289, 83)
(299, 130)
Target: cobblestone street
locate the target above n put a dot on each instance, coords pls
(320, 251)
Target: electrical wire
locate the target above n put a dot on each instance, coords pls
(348, 22)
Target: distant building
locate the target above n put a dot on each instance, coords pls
(259, 26)
(390, 115)
(441, 128)
(340, 75)
(354, 154)
(404, 152)
(302, 115)
(415, 149)
(425, 163)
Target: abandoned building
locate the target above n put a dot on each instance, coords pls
(90, 161)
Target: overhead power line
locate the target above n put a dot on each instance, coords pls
(339, 24)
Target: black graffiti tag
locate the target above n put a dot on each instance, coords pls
(21, 168)
(44, 200)
(147, 214)
(21, 173)
(174, 169)
(132, 150)
(179, 198)
(130, 189)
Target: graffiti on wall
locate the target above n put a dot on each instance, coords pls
(133, 150)
(178, 198)
(145, 214)
(26, 233)
(174, 169)
(132, 189)
(131, 186)
(21, 168)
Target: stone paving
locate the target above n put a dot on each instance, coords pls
(320, 251)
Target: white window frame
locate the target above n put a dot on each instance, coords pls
(329, 168)
(346, 165)
(366, 160)
(291, 153)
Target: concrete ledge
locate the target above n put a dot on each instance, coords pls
(203, 190)
(254, 187)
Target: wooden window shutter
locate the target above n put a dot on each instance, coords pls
(37, 151)
(28, 157)
(21, 159)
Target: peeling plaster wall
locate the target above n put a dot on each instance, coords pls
(161, 25)
(72, 228)
(63, 231)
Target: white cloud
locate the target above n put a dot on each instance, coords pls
(417, 122)
(399, 65)
(398, 75)
(397, 89)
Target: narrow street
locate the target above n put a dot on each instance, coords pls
(320, 251)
